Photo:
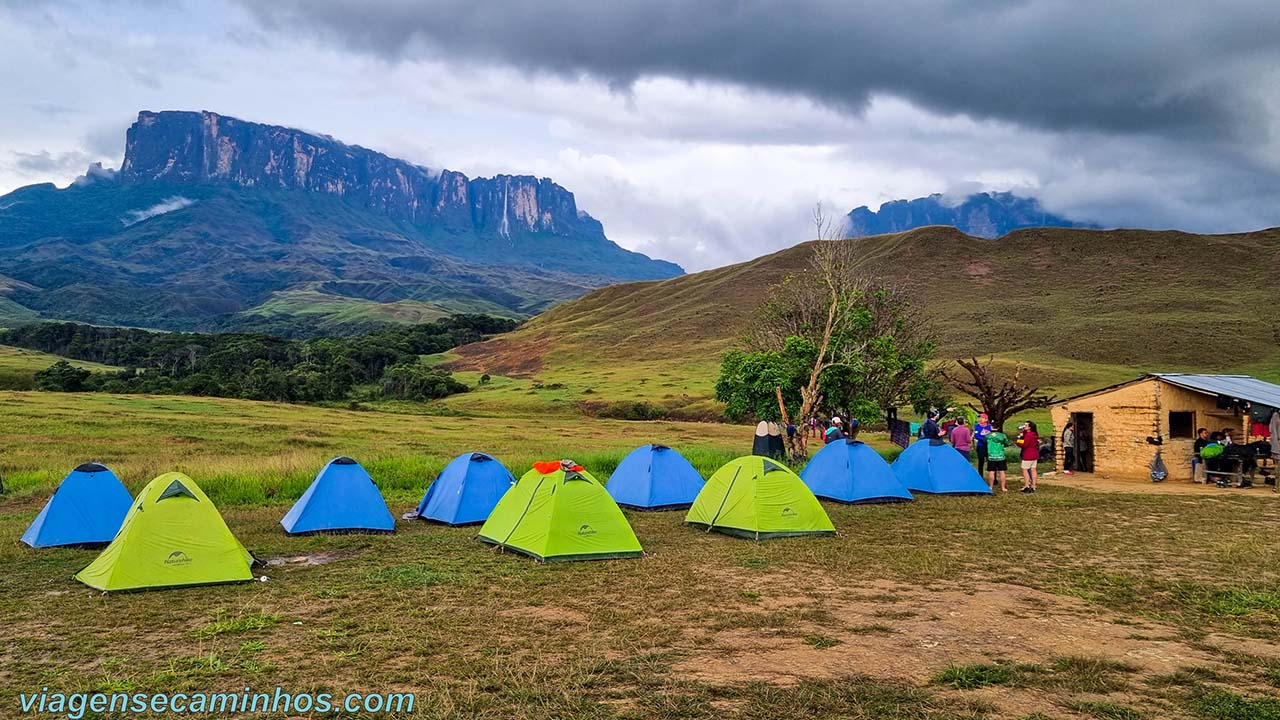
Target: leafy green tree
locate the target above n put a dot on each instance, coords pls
(62, 376)
(749, 381)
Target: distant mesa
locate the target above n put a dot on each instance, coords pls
(214, 222)
(984, 215)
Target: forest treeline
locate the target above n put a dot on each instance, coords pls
(381, 363)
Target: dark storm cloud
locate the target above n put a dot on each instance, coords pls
(1140, 66)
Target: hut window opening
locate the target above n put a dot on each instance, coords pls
(1182, 425)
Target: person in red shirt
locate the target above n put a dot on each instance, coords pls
(1029, 441)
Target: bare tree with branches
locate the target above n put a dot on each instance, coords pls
(836, 307)
(809, 305)
(999, 396)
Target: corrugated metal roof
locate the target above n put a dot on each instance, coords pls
(1241, 387)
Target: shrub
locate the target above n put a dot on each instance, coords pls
(419, 382)
(631, 410)
(62, 376)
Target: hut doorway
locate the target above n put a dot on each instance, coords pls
(1084, 441)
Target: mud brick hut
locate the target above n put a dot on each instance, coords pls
(1117, 426)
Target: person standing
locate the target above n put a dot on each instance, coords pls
(996, 443)
(1029, 441)
(835, 432)
(1197, 462)
(980, 432)
(1069, 449)
(962, 439)
(930, 429)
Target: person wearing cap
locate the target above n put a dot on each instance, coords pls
(981, 430)
(930, 429)
(835, 432)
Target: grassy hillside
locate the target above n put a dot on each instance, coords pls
(1079, 307)
(18, 367)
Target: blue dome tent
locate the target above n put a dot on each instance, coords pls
(341, 498)
(654, 477)
(932, 466)
(467, 490)
(850, 471)
(86, 509)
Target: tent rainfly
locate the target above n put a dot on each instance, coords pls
(932, 466)
(466, 491)
(342, 498)
(654, 477)
(173, 536)
(86, 509)
(758, 498)
(558, 511)
(851, 471)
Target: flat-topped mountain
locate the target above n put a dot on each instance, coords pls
(214, 216)
(984, 215)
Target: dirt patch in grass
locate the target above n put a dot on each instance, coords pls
(1098, 482)
(1247, 646)
(932, 628)
(323, 557)
(546, 614)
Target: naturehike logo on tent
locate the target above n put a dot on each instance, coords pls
(177, 557)
(586, 530)
(788, 512)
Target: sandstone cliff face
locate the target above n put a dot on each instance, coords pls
(985, 215)
(204, 147)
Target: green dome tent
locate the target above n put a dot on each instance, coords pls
(557, 511)
(173, 536)
(758, 498)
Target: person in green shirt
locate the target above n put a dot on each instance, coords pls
(997, 465)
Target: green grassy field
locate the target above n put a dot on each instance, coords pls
(1065, 604)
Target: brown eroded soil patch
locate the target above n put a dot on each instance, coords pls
(501, 356)
(902, 632)
(978, 269)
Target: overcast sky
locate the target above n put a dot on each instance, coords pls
(700, 131)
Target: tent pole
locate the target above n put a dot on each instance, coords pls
(724, 500)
